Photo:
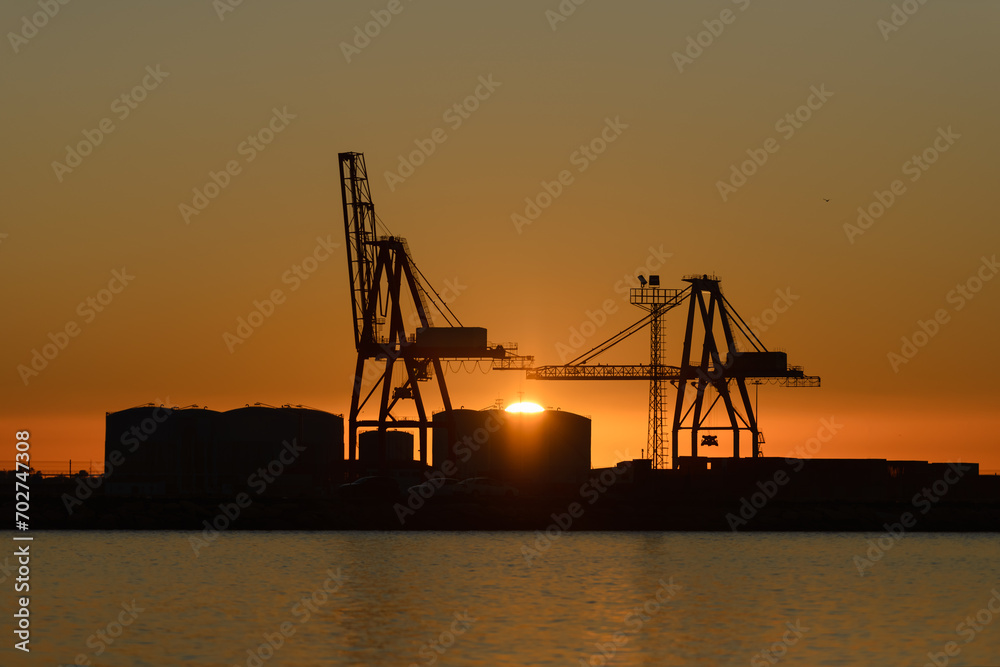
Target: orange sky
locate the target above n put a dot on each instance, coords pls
(199, 86)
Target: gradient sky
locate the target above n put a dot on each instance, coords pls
(655, 186)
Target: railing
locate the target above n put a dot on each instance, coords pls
(656, 296)
(603, 372)
(56, 468)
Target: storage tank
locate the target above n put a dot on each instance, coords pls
(552, 446)
(321, 434)
(191, 463)
(468, 450)
(249, 438)
(198, 452)
(399, 447)
(137, 446)
(253, 438)
(565, 445)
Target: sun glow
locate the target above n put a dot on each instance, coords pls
(525, 407)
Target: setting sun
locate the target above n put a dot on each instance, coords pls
(525, 407)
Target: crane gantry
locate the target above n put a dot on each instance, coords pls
(725, 376)
(385, 281)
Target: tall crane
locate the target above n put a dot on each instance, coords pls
(710, 374)
(385, 283)
(656, 302)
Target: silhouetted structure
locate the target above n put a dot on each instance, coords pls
(520, 448)
(391, 305)
(397, 447)
(157, 450)
(184, 452)
(720, 365)
(826, 480)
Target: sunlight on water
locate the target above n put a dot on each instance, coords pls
(127, 598)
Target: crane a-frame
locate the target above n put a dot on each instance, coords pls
(719, 370)
(383, 277)
(385, 282)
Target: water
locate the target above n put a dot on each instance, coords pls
(723, 598)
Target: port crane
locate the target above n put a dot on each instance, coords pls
(720, 371)
(385, 283)
(384, 279)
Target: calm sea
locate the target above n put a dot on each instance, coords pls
(135, 598)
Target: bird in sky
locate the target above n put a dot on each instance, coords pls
(826, 200)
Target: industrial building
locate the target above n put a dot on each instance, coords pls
(827, 480)
(519, 448)
(407, 331)
(395, 460)
(398, 448)
(186, 452)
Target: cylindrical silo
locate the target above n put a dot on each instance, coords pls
(552, 446)
(137, 446)
(398, 447)
(192, 457)
(249, 439)
(320, 437)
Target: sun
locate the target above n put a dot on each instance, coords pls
(525, 407)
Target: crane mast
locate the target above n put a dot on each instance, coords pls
(391, 306)
(719, 371)
(359, 228)
(384, 280)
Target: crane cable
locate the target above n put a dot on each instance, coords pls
(745, 328)
(425, 284)
(621, 335)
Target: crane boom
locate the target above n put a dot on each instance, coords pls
(359, 229)
(390, 304)
(719, 365)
